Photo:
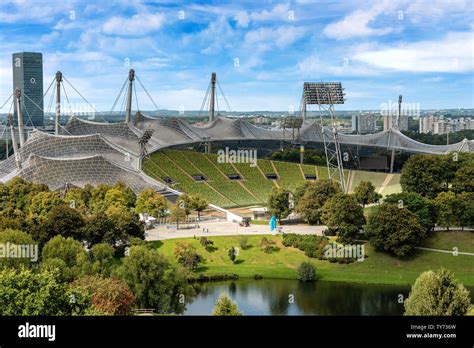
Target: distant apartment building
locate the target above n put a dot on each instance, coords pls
(364, 123)
(392, 121)
(28, 77)
(442, 125)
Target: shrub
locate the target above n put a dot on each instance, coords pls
(306, 272)
(267, 245)
(244, 243)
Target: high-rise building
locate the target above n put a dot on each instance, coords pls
(363, 123)
(28, 77)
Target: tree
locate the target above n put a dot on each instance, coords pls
(178, 214)
(61, 220)
(421, 206)
(466, 214)
(17, 238)
(126, 226)
(310, 204)
(120, 195)
(343, 216)
(43, 202)
(437, 293)
(365, 193)
(24, 292)
(225, 307)
(448, 208)
(279, 203)
(394, 230)
(151, 202)
(423, 174)
(109, 296)
(306, 272)
(77, 198)
(96, 227)
(102, 259)
(232, 254)
(66, 255)
(186, 255)
(155, 283)
(464, 178)
(198, 203)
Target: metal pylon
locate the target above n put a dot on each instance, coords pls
(332, 147)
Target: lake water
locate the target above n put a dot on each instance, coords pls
(291, 297)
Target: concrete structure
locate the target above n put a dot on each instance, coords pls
(28, 78)
(441, 125)
(364, 123)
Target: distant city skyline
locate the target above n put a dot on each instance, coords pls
(262, 52)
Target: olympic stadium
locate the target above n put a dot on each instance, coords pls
(139, 152)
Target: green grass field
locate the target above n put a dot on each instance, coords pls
(252, 189)
(376, 268)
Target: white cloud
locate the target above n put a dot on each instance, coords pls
(280, 37)
(242, 19)
(452, 54)
(139, 24)
(279, 12)
(356, 24)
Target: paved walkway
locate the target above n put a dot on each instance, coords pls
(445, 251)
(224, 228)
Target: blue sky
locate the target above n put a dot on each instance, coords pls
(262, 51)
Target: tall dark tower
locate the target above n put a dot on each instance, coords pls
(28, 77)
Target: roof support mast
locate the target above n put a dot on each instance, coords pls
(213, 97)
(128, 110)
(20, 117)
(59, 79)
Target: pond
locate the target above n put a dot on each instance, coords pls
(292, 297)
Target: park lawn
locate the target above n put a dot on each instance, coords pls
(447, 240)
(377, 268)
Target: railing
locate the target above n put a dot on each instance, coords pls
(142, 311)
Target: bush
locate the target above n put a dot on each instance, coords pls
(306, 272)
(244, 243)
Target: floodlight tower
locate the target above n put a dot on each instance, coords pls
(142, 142)
(325, 95)
(213, 97)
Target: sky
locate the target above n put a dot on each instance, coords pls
(262, 51)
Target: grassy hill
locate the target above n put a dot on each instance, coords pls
(253, 186)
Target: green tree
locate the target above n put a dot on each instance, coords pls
(225, 307)
(102, 259)
(464, 178)
(151, 202)
(198, 203)
(61, 220)
(424, 174)
(126, 226)
(155, 283)
(365, 193)
(43, 202)
(448, 209)
(24, 292)
(310, 204)
(120, 195)
(233, 254)
(466, 214)
(421, 206)
(306, 272)
(394, 230)
(187, 255)
(108, 296)
(437, 293)
(77, 198)
(96, 227)
(17, 238)
(66, 255)
(177, 214)
(279, 203)
(343, 216)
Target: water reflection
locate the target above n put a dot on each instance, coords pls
(290, 297)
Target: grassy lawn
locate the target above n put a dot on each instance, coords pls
(376, 268)
(447, 240)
